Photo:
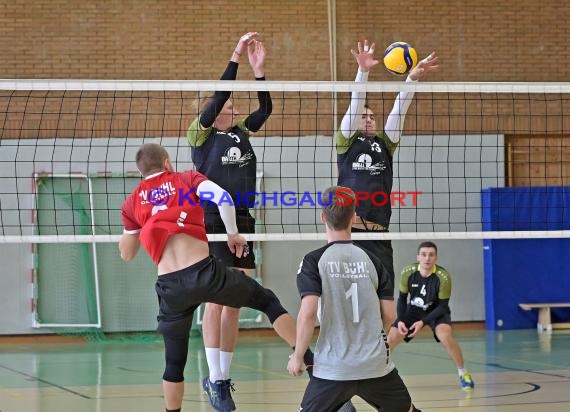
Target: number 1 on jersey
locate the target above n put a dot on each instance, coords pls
(352, 294)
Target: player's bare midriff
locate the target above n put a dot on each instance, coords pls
(180, 252)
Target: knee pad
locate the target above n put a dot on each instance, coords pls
(173, 372)
(269, 304)
(176, 354)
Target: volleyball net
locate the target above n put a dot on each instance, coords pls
(67, 163)
(77, 140)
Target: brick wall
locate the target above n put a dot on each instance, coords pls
(478, 40)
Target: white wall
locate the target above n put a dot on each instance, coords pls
(449, 170)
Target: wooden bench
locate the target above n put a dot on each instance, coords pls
(544, 318)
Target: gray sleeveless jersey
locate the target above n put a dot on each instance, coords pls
(350, 282)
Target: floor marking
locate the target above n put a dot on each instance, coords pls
(55, 385)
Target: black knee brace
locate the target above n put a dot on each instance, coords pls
(173, 373)
(176, 354)
(267, 302)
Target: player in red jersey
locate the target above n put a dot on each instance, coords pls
(164, 215)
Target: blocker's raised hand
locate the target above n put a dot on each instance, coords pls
(365, 56)
(245, 40)
(256, 55)
(425, 66)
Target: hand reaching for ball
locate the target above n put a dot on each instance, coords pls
(365, 56)
(425, 66)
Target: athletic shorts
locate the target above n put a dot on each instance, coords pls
(388, 394)
(411, 318)
(181, 292)
(380, 248)
(245, 224)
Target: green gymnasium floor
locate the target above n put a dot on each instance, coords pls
(513, 371)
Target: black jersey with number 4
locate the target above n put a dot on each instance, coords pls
(425, 292)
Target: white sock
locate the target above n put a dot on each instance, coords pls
(461, 371)
(213, 359)
(225, 363)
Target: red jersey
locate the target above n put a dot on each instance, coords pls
(163, 205)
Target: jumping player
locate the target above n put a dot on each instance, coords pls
(365, 154)
(164, 215)
(221, 150)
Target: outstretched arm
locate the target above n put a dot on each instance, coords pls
(305, 328)
(208, 190)
(365, 58)
(212, 109)
(395, 122)
(256, 54)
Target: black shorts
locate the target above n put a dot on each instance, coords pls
(181, 292)
(215, 225)
(411, 317)
(380, 248)
(388, 393)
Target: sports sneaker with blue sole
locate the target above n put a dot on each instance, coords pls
(219, 394)
(466, 382)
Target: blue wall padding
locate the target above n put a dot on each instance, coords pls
(525, 270)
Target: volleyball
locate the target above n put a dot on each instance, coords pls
(400, 58)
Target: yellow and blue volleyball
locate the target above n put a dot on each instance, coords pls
(400, 58)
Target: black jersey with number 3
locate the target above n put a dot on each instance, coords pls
(365, 165)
